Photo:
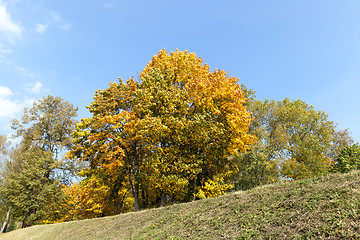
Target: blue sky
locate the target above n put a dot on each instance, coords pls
(308, 50)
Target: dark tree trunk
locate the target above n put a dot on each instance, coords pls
(136, 197)
(6, 223)
(194, 190)
(135, 192)
(25, 222)
(145, 199)
(163, 198)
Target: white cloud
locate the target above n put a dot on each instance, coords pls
(10, 33)
(36, 88)
(9, 108)
(5, 92)
(108, 5)
(55, 19)
(4, 50)
(25, 72)
(41, 28)
(9, 30)
(66, 26)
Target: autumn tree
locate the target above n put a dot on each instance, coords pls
(170, 133)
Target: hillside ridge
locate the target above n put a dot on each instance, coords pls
(325, 207)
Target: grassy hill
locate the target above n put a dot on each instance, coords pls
(322, 208)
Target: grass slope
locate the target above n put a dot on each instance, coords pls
(322, 208)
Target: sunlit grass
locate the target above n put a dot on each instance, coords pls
(320, 208)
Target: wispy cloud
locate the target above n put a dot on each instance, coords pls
(108, 5)
(9, 108)
(41, 28)
(10, 32)
(24, 71)
(36, 88)
(66, 26)
(4, 50)
(54, 19)
(5, 92)
(8, 28)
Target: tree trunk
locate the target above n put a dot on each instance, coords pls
(135, 192)
(145, 199)
(194, 190)
(4, 226)
(163, 198)
(136, 197)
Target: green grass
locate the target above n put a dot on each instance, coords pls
(321, 208)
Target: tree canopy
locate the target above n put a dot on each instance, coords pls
(170, 133)
(295, 141)
(33, 169)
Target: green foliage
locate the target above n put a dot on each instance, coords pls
(349, 159)
(257, 166)
(28, 189)
(48, 124)
(294, 140)
(33, 170)
(306, 138)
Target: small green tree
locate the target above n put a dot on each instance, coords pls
(349, 159)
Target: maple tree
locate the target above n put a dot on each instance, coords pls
(170, 134)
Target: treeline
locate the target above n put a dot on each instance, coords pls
(179, 133)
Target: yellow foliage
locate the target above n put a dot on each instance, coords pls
(87, 200)
(175, 127)
(214, 188)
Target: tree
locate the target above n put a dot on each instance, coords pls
(6, 222)
(259, 165)
(28, 189)
(4, 209)
(171, 133)
(310, 138)
(293, 134)
(34, 169)
(348, 159)
(48, 125)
